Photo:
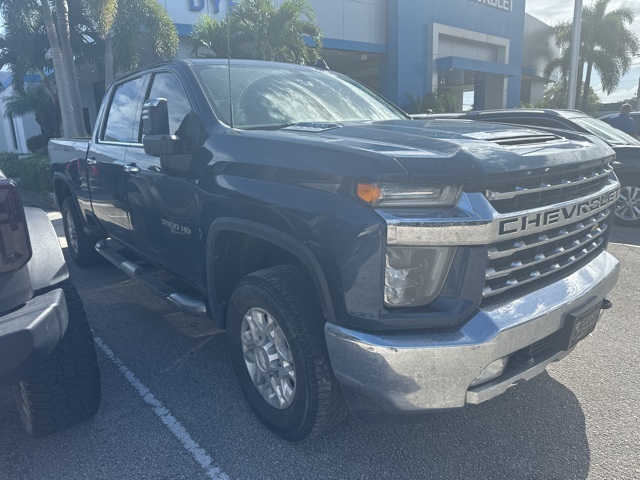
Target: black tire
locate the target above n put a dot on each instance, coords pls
(81, 245)
(65, 389)
(626, 214)
(288, 295)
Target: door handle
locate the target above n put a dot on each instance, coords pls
(132, 168)
(92, 161)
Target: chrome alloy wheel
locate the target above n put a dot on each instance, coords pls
(628, 205)
(71, 229)
(268, 358)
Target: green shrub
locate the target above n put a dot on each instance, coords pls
(38, 144)
(9, 164)
(35, 174)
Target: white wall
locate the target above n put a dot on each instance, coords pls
(25, 127)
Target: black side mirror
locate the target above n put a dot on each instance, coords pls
(156, 138)
(155, 117)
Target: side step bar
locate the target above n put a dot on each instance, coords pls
(184, 303)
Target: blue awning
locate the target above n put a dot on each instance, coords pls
(447, 63)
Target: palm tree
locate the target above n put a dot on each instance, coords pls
(121, 24)
(262, 31)
(70, 75)
(33, 42)
(208, 38)
(606, 45)
(35, 99)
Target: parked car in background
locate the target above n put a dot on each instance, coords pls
(634, 115)
(46, 347)
(626, 164)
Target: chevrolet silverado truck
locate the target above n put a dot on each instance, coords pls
(359, 260)
(46, 347)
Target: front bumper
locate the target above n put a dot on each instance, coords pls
(403, 374)
(29, 335)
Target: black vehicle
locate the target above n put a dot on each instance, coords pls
(626, 164)
(356, 257)
(46, 348)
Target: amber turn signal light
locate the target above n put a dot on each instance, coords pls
(369, 193)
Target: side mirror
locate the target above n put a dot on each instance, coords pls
(155, 117)
(156, 138)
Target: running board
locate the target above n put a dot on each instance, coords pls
(184, 303)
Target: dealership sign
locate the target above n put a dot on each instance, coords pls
(506, 5)
(198, 5)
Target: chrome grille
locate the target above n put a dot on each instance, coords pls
(515, 263)
(544, 189)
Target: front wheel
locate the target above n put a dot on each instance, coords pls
(276, 338)
(628, 205)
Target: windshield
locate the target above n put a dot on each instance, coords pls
(606, 132)
(274, 97)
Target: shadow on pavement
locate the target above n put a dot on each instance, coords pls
(626, 235)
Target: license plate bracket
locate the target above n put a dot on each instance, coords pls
(580, 323)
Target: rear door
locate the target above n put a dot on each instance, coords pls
(107, 154)
(163, 207)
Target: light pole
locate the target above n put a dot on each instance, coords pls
(575, 53)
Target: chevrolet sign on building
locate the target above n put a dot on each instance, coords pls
(501, 4)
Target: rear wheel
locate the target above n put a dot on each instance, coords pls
(65, 389)
(81, 245)
(276, 338)
(628, 205)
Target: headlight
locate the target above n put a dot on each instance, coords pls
(15, 247)
(414, 276)
(393, 195)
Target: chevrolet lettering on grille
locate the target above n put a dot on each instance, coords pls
(558, 216)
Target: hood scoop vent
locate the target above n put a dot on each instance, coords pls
(514, 138)
(312, 127)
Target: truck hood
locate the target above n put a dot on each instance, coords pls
(466, 148)
(443, 151)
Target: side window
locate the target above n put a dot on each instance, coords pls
(122, 125)
(167, 85)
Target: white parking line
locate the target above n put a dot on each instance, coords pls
(174, 426)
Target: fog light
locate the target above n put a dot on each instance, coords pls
(494, 370)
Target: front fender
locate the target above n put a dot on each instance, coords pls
(276, 237)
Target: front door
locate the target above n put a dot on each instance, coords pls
(162, 207)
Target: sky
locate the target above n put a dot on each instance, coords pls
(555, 11)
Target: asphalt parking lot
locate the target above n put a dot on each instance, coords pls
(172, 408)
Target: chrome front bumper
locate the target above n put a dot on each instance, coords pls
(412, 373)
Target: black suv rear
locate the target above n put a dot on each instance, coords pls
(46, 347)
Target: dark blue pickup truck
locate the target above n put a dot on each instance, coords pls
(358, 259)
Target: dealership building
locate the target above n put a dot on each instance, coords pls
(489, 51)
(486, 53)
